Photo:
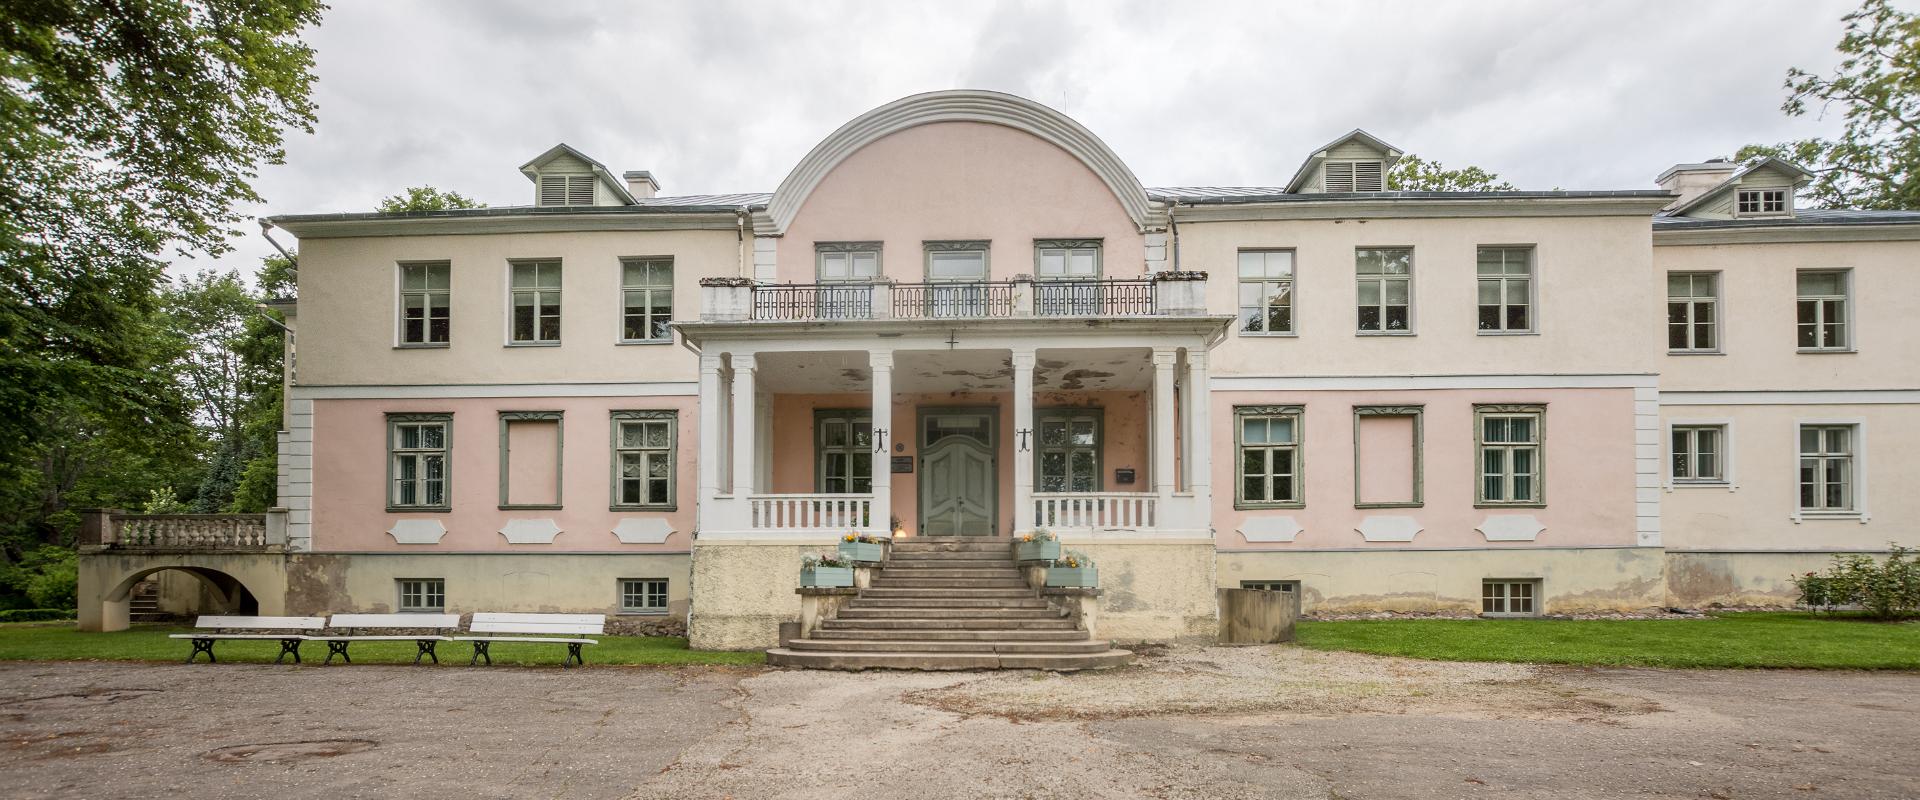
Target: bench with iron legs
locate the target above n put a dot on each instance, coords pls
(288, 630)
(345, 629)
(520, 628)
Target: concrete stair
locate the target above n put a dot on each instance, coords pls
(944, 605)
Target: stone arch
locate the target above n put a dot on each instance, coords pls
(107, 583)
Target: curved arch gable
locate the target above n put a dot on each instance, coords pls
(958, 106)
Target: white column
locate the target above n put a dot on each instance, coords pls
(880, 363)
(1163, 361)
(1023, 432)
(744, 447)
(1199, 435)
(710, 425)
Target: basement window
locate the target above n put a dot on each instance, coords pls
(1506, 597)
(1284, 587)
(643, 596)
(423, 594)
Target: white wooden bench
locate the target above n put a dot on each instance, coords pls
(345, 629)
(504, 627)
(286, 629)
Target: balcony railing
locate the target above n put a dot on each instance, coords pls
(796, 513)
(1096, 510)
(191, 532)
(1165, 294)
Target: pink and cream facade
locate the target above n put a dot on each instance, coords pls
(962, 315)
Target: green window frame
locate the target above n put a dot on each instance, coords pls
(1506, 289)
(1418, 415)
(507, 418)
(643, 595)
(1510, 456)
(534, 302)
(646, 300)
(843, 447)
(426, 316)
(1067, 449)
(1385, 290)
(645, 460)
(847, 262)
(422, 594)
(1269, 463)
(1510, 597)
(419, 462)
(1699, 454)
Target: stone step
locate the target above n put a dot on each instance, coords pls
(957, 593)
(890, 573)
(942, 623)
(950, 563)
(784, 657)
(951, 635)
(934, 582)
(946, 602)
(925, 646)
(996, 546)
(869, 612)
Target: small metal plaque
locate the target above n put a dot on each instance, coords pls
(902, 464)
(1123, 475)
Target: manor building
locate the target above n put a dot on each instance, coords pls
(962, 315)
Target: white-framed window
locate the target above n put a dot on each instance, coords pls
(957, 262)
(1823, 310)
(1385, 276)
(1511, 454)
(1508, 597)
(422, 594)
(1829, 468)
(418, 446)
(1067, 259)
(646, 299)
(1267, 440)
(846, 451)
(1266, 292)
(1698, 453)
(643, 595)
(1693, 312)
(425, 315)
(1506, 289)
(1354, 176)
(535, 299)
(1760, 202)
(566, 190)
(644, 454)
(845, 262)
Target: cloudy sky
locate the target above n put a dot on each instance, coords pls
(727, 96)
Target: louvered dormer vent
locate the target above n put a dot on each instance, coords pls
(1354, 176)
(566, 190)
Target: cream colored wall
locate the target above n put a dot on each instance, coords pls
(742, 591)
(349, 296)
(1153, 592)
(1757, 290)
(1758, 514)
(1571, 580)
(1700, 580)
(1598, 306)
(526, 582)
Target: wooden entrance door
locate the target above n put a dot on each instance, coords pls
(957, 480)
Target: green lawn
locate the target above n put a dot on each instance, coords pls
(1791, 640)
(59, 641)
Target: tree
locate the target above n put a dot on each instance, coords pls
(427, 198)
(1875, 162)
(1414, 174)
(262, 350)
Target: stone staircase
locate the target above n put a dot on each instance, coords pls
(949, 604)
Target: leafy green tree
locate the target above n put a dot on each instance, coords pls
(427, 198)
(262, 350)
(1875, 161)
(1414, 174)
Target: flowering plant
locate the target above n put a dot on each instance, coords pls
(824, 560)
(1072, 559)
(1042, 535)
(864, 538)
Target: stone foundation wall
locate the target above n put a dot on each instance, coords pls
(1701, 580)
(1571, 580)
(743, 590)
(1153, 591)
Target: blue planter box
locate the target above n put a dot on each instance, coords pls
(1073, 576)
(826, 576)
(1042, 550)
(863, 551)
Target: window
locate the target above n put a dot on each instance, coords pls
(1287, 587)
(1387, 443)
(1510, 457)
(1822, 309)
(1266, 291)
(1506, 289)
(423, 594)
(1354, 176)
(1509, 598)
(846, 452)
(646, 299)
(424, 314)
(643, 459)
(417, 469)
(961, 263)
(1760, 202)
(1692, 315)
(1069, 450)
(1699, 453)
(1386, 281)
(530, 459)
(566, 190)
(840, 262)
(536, 302)
(1827, 467)
(643, 596)
(1067, 259)
(1268, 438)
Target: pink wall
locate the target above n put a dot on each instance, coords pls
(1589, 442)
(350, 471)
(960, 180)
(1125, 428)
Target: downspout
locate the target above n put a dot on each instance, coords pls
(1173, 234)
(266, 232)
(740, 243)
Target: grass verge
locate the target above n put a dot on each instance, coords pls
(1743, 640)
(44, 641)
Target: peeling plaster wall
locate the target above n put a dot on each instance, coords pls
(1699, 580)
(580, 583)
(1571, 580)
(1153, 591)
(742, 591)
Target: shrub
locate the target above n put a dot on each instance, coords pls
(35, 614)
(1884, 589)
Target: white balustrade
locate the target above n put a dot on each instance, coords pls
(838, 513)
(188, 531)
(1096, 510)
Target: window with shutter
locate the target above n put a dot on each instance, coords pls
(579, 190)
(1339, 176)
(1367, 177)
(553, 190)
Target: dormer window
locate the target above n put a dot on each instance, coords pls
(1354, 176)
(1761, 202)
(566, 190)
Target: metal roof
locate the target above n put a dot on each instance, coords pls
(1801, 217)
(736, 200)
(1225, 195)
(1202, 192)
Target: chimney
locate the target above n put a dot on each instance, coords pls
(1692, 180)
(640, 184)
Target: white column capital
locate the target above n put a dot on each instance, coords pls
(1165, 357)
(1024, 359)
(880, 359)
(745, 361)
(710, 362)
(1196, 358)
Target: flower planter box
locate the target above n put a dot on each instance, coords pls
(871, 552)
(1037, 550)
(1073, 576)
(827, 576)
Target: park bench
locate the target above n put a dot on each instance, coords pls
(345, 629)
(522, 627)
(289, 630)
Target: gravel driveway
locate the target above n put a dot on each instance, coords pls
(1199, 722)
